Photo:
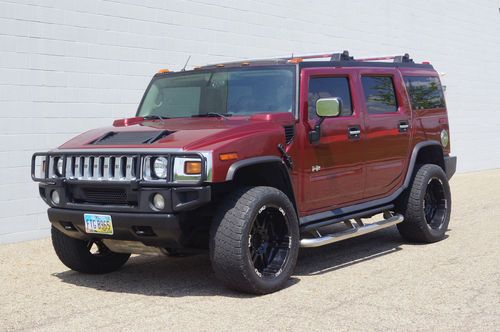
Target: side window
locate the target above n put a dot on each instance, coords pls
(425, 92)
(379, 94)
(329, 87)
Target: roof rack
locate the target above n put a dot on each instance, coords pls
(405, 58)
(344, 56)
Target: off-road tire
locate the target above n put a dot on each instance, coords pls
(76, 255)
(231, 242)
(416, 227)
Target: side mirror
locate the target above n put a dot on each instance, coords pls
(325, 108)
(328, 107)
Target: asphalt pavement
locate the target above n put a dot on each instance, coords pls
(376, 282)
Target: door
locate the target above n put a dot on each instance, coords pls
(333, 173)
(387, 120)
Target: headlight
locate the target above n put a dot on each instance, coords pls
(59, 166)
(187, 170)
(160, 167)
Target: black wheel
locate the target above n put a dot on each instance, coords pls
(254, 240)
(426, 206)
(91, 257)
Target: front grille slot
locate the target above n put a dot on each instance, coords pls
(96, 168)
(104, 196)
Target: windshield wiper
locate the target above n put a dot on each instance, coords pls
(154, 117)
(212, 114)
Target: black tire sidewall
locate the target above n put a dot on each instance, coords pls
(415, 227)
(229, 239)
(436, 172)
(277, 200)
(74, 254)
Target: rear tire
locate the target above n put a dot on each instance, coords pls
(254, 240)
(426, 206)
(91, 257)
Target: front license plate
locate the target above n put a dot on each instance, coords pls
(98, 224)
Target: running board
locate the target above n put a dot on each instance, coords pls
(357, 228)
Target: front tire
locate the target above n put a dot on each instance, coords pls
(426, 206)
(254, 240)
(91, 257)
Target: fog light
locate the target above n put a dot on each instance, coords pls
(54, 196)
(158, 202)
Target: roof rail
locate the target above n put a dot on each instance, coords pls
(344, 56)
(395, 58)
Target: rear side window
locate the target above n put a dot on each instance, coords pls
(379, 94)
(425, 92)
(329, 87)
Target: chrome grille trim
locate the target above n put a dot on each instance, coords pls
(98, 168)
(112, 165)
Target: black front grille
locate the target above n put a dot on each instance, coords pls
(105, 195)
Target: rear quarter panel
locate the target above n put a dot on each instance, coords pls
(427, 123)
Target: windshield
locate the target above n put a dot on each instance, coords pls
(228, 92)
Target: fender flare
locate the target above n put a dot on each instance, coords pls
(248, 162)
(233, 169)
(413, 160)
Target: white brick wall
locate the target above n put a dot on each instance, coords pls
(69, 65)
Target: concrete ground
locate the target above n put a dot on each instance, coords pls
(376, 282)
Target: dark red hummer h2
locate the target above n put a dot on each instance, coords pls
(253, 160)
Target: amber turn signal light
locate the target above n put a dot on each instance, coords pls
(228, 156)
(192, 167)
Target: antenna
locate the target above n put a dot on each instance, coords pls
(184, 68)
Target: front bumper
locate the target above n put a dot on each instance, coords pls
(158, 230)
(136, 199)
(170, 228)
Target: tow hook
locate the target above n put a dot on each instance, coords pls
(286, 157)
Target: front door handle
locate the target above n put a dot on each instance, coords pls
(403, 126)
(354, 132)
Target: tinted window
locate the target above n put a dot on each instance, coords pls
(425, 92)
(329, 87)
(379, 94)
(232, 91)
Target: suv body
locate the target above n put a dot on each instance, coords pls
(324, 142)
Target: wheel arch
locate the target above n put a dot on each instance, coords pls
(262, 171)
(427, 152)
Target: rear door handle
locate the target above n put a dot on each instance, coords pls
(353, 132)
(403, 126)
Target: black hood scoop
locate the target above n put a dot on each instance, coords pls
(131, 137)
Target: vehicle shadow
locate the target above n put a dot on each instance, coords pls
(193, 275)
(325, 259)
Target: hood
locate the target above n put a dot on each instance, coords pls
(181, 133)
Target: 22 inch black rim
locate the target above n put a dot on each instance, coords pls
(269, 242)
(435, 204)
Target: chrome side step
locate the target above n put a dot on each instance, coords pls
(357, 228)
